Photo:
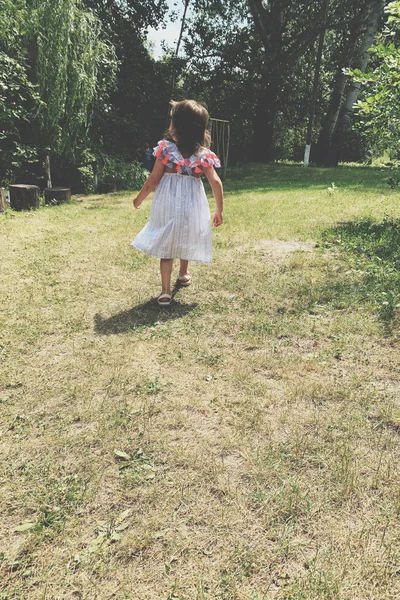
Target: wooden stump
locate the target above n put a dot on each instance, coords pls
(3, 203)
(57, 195)
(106, 188)
(24, 197)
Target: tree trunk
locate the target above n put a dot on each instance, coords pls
(269, 21)
(360, 62)
(314, 92)
(95, 177)
(355, 55)
(264, 118)
(183, 21)
(3, 203)
(48, 171)
(57, 195)
(336, 99)
(24, 197)
(328, 127)
(269, 25)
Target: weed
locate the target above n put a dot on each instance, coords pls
(153, 387)
(212, 360)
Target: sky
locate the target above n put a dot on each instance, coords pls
(171, 33)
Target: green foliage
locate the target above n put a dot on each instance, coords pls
(54, 65)
(137, 108)
(76, 75)
(230, 70)
(87, 179)
(70, 57)
(127, 176)
(140, 14)
(379, 109)
(19, 100)
(224, 62)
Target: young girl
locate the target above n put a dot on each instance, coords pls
(179, 225)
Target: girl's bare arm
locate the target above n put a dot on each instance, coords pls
(218, 193)
(152, 181)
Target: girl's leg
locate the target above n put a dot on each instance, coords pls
(166, 270)
(184, 277)
(183, 268)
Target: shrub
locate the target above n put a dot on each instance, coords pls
(126, 175)
(86, 179)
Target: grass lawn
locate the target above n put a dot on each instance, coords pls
(242, 444)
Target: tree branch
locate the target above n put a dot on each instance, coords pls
(259, 14)
(297, 48)
(304, 39)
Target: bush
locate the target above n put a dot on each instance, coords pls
(86, 179)
(126, 175)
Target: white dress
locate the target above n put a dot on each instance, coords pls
(179, 225)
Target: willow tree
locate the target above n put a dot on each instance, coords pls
(70, 57)
(18, 98)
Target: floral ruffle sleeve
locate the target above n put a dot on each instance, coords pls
(169, 155)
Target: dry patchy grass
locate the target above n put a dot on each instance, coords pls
(241, 445)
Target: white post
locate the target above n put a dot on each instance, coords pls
(307, 154)
(48, 172)
(95, 178)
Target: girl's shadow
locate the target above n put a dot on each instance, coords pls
(146, 314)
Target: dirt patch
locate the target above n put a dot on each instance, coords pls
(276, 249)
(279, 249)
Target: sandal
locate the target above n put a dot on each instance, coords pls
(164, 300)
(185, 280)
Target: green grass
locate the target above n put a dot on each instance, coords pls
(241, 445)
(373, 249)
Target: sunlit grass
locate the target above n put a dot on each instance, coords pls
(241, 445)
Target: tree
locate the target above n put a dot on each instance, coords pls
(138, 103)
(140, 14)
(286, 30)
(269, 23)
(267, 51)
(220, 66)
(314, 93)
(379, 110)
(19, 101)
(354, 55)
(69, 58)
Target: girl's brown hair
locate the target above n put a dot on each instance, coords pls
(188, 127)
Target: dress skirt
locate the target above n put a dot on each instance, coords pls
(179, 225)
